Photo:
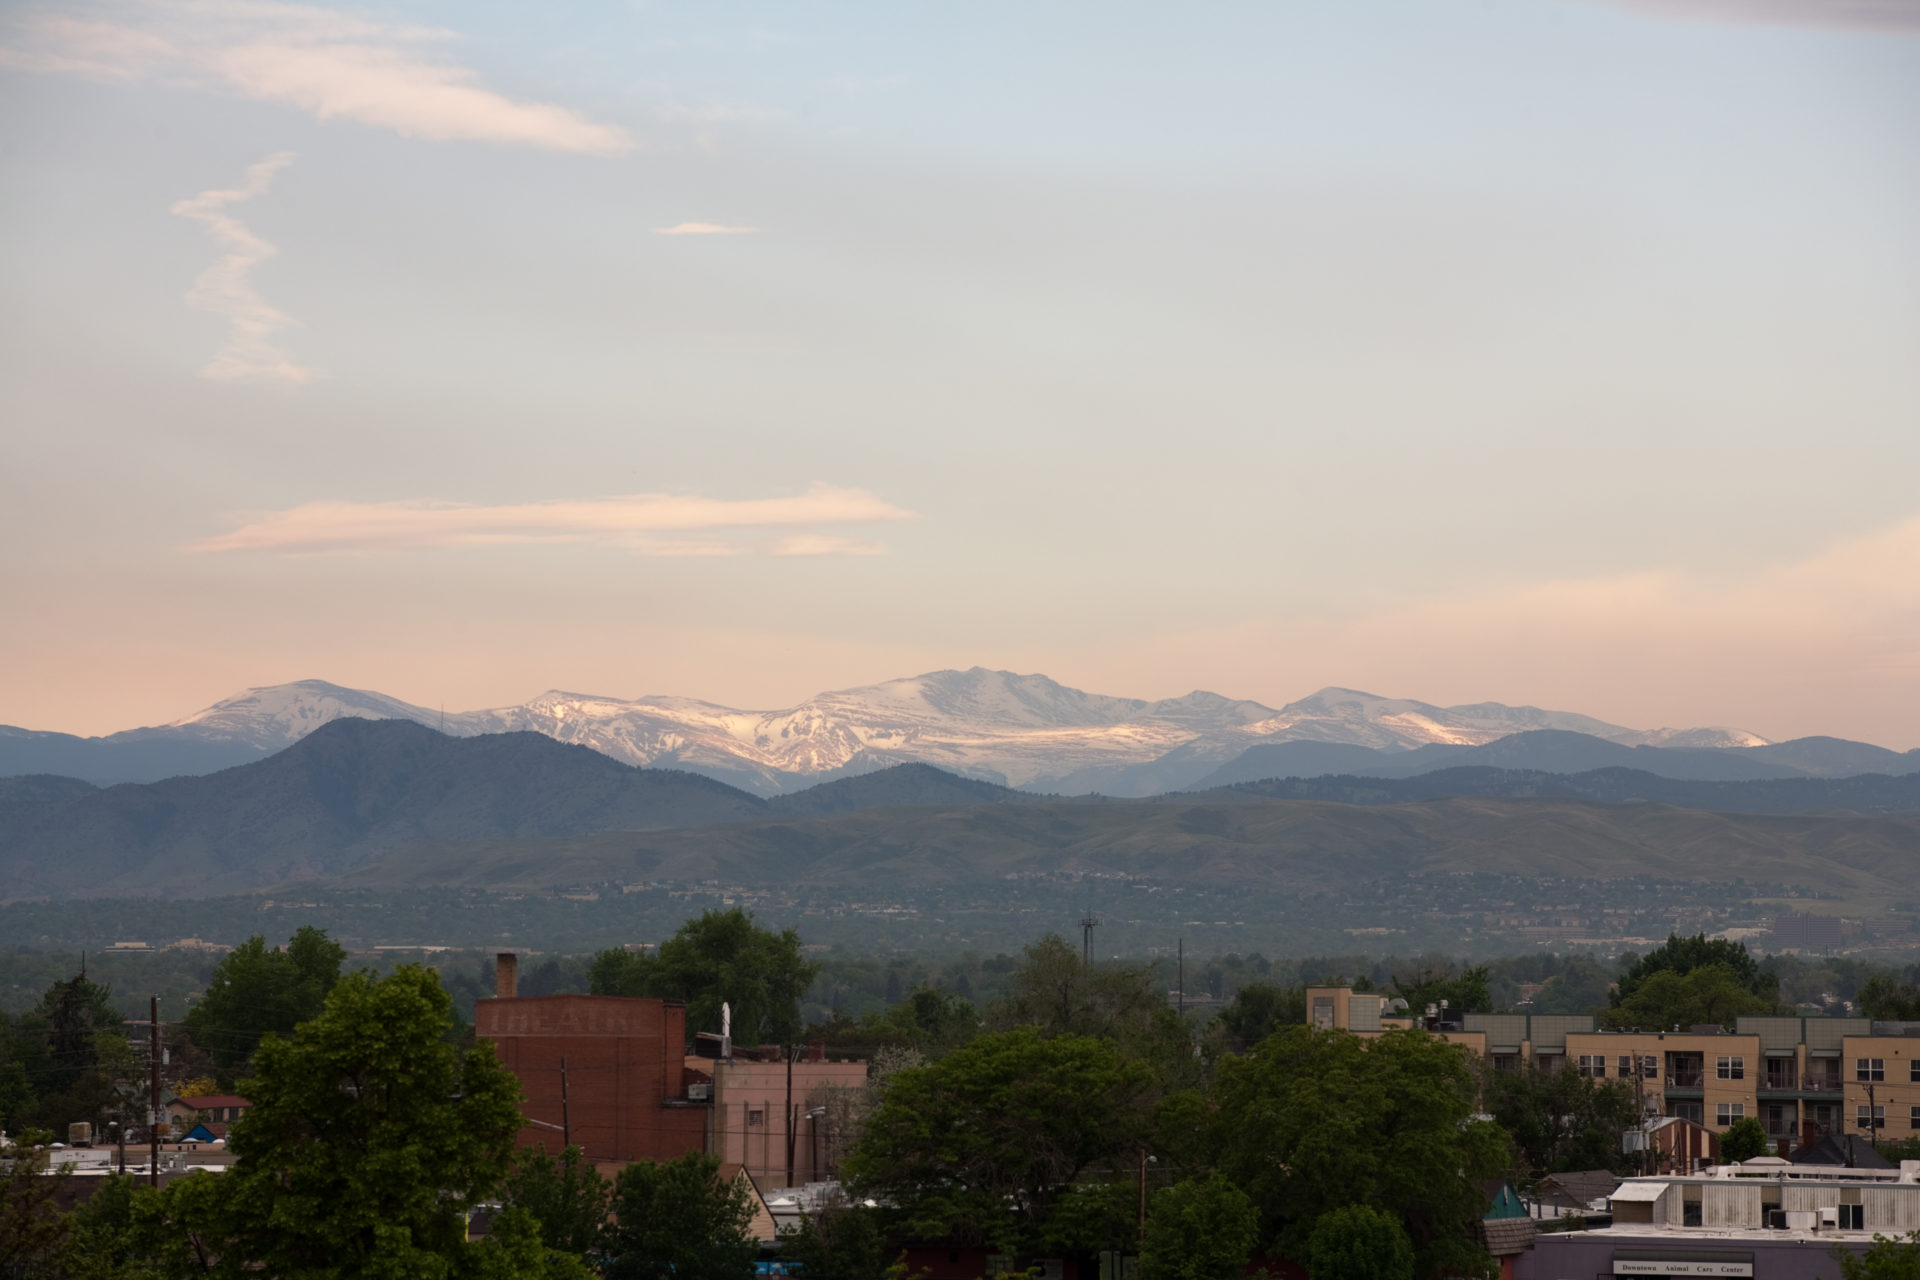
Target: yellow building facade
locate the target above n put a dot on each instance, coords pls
(1801, 1077)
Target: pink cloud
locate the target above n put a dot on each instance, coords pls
(636, 522)
(331, 65)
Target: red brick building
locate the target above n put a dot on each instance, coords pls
(623, 1092)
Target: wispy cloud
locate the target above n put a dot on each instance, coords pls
(330, 64)
(646, 523)
(705, 229)
(226, 289)
(825, 544)
(1871, 15)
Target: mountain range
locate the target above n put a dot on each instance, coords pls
(1025, 731)
(393, 802)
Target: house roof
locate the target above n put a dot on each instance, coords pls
(1581, 1186)
(1504, 1236)
(209, 1101)
(762, 1226)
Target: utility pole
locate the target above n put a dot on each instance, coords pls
(1087, 923)
(791, 1050)
(153, 1094)
(566, 1120)
(1182, 979)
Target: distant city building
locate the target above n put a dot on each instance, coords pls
(1803, 1078)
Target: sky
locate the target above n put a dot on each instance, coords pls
(1562, 352)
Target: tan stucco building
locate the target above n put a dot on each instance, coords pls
(1800, 1077)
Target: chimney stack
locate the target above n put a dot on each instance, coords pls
(506, 980)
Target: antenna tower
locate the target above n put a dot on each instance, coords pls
(1088, 923)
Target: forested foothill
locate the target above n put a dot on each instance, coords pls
(1034, 1105)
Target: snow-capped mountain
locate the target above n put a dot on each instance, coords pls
(1391, 724)
(1024, 730)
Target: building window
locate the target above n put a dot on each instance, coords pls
(1913, 1121)
(1731, 1111)
(756, 1117)
(1870, 1118)
(1733, 1068)
(1626, 1067)
(1913, 1071)
(1853, 1217)
(1506, 1062)
(1593, 1066)
(1650, 1067)
(1869, 1070)
(1693, 1111)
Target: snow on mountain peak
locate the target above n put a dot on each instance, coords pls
(979, 722)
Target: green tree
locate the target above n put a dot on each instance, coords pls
(1315, 1120)
(721, 957)
(982, 1145)
(1559, 1120)
(71, 1016)
(1258, 1010)
(1888, 1258)
(1359, 1242)
(16, 1095)
(1710, 994)
(1885, 999)
(33, 1231)
(1199, 1230)
(100, 1241)
(1056, 993)
(841, 1242)
(928, 1020)
(1744, 1139)
(368, 1142)
(255, 990)
(1465, 991)
(1679, 955)
(680, 1221)
(567, 1196)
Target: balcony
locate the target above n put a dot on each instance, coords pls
(1685, 1082)
(1820, 1084)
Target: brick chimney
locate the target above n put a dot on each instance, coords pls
(506, 976)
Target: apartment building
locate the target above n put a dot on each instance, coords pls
(1800, 1077)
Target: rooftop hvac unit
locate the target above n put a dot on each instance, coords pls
(702, 1092)
(80, 1135)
